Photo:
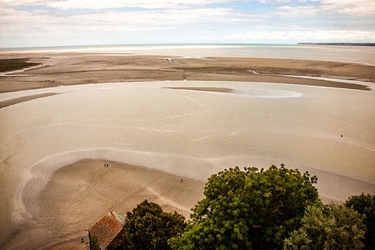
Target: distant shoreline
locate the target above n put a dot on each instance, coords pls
(339, 44)
(90, 47)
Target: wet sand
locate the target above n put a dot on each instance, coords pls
(76, 196)
(13, 101)
(152, 134)
(62, 69)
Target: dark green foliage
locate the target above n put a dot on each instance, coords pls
(94, 242)
(365, 205)
(328, 227)
(148, 227)
(248, 209)
(14, 64)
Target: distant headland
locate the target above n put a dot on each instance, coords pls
(339, 44)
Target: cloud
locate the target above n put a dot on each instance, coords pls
(352, 7)
(54, 22)
(112, 26)
(300, 36)
(141, 19)
(297, 11)
(110, 4)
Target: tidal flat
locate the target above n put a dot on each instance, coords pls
(156, 120)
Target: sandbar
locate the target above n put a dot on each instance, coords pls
(62, 69)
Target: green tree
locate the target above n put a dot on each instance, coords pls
(148, 227)
(328, 227)
(365, 205)
(248, 209)
(94, 242)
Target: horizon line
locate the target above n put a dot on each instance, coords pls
(191, 44)
(142, 44)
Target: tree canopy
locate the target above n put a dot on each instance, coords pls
(365, 205)
(94, 242)
(149, 227)
(249, 209)
(326, 227)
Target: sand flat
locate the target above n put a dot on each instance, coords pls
(182, 132)
(75, 196)
(63, 69)
(61, 121)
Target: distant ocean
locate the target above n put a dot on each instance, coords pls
(353, 54)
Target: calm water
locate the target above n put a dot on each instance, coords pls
(354, 54)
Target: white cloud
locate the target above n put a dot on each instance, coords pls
(106, 4)
(89, 22)
(151, 19)
(352, 7)
(33, 26)
(141, 19)
(300, 36)
(298, 11)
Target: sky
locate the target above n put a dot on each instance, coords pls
(38, 23)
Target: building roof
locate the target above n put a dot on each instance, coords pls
(107, 228)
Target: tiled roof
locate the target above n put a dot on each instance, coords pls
(107, 228)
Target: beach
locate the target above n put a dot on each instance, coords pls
(164, 124)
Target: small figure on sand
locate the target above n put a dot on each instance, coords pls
(341, 136)
(106, 165)
(182, 180)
